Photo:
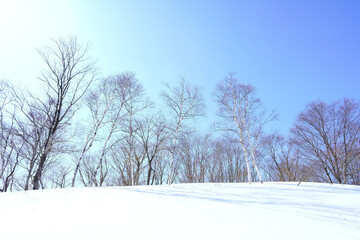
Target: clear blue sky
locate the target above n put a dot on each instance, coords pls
(293, 52)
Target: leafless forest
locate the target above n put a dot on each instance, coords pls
(88, 130)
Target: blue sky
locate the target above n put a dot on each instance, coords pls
(293, 52)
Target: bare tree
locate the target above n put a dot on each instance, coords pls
(152, 136)
(273, 144)
(184, 102)
(10, 146)
(105, 105)
(30, 129)
(216, 171)
(134, 106)
(127, 159)
(243, 114)
(68, 74)
(60, 176)
(329, 136)
(121, 85)
(194, 156)
(87, 169)
(285, 160)
(160, 168)
(226, 161)
(31, 134)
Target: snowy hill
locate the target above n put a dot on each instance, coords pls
(184, 211)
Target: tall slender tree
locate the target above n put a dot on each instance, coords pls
(244, 115)
(185, 102)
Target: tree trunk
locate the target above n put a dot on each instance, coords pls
(37, 177)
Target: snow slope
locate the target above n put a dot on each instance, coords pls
(184, 211)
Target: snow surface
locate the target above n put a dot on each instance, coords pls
(184, 211)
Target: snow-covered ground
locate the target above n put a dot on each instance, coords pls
(184, 211)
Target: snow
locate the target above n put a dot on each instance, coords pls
(184, 211)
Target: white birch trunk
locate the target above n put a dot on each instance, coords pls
(87, 146)
(243, 147)
(247, 161)
(90, 140)
(104, 148)
(252, 151)
(171, 172)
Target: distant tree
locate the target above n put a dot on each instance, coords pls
(59, 177)
(244, 115)
(273, 144)
(160, 168)
(284, 160)
(10, 146)
(184, 102)
(152, 135)
(328, 136)
(87, 169)
(227, 161)
(194, 155)
(217, 168)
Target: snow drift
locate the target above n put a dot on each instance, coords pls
(184, 211)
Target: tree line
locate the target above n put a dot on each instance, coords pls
(87, 130)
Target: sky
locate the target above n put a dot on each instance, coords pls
(293, 52)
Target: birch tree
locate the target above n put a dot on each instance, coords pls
(184, 102)
(125, 89)
(115, 104)
(102, 102)
(137, 103)
(243, 115)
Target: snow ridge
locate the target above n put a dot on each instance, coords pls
(184, 211)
